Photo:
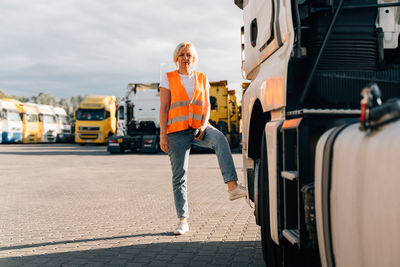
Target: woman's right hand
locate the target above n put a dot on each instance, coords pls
(164, 143)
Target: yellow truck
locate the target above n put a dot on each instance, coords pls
(224, 113)
(95, 119)
(30, 121)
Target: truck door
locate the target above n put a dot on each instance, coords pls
(121, 120)
(265, 30)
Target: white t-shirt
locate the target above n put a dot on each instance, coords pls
(188, 82)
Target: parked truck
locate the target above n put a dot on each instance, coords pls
(224, 114)
(47, 123)
(63, 126)
(321, 146)
(31, 124)
(30, 121)
(10, 122)
(138, 126)
(95, 119)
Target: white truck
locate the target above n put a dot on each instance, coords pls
(138, 125)
(47, 123)
(63, 127)
(10, 123)
(320, 149)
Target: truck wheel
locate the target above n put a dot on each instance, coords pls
(157, 146)
(272, 253)
(223, 127)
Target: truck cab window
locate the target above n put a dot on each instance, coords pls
(213, 102)
(121, 114)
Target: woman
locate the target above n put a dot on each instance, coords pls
(184, 114)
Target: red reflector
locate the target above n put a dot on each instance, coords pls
(113, 141)
(148, 141)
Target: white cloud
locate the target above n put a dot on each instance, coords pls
(71, 47)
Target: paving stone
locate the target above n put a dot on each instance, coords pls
(79, 206)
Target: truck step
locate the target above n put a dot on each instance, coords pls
(292, 235)
(290, 175)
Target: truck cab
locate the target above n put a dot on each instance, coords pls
(95, 120)
(224, 113)
(63, 127)
(310, 64)
(138, 125)
(30, 121)
(10, 122)
(47, 123)
(31, 124)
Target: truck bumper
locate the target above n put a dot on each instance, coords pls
(140, 143)
(12, 137)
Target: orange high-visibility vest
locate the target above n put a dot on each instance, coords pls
(184, 112)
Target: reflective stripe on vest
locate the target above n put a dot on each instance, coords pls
(184, 113)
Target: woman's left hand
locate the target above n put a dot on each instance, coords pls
(202, 131)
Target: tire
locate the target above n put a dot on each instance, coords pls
(157, 146)
(222, 127)
(272, 253)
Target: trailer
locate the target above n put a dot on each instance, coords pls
(320, 130)
(138, 125)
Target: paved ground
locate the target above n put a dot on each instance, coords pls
(66, 205)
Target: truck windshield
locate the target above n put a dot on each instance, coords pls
(31, 117)
(90, 114)
(13, 115)
(49, 118)
(121, 112)
(62, 119)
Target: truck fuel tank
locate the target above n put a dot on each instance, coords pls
(357, 200)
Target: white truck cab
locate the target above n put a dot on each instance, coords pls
(320, 125)
(10, 123)
(63, 127)
(138, 123)
(48, 123)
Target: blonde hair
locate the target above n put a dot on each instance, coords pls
(182, 46)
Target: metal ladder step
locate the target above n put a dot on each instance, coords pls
(292, 235)
(290, 175)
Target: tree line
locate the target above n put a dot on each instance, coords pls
(69, 104)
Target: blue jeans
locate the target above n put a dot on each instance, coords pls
(179, 149)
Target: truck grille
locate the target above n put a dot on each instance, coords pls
(89, 128)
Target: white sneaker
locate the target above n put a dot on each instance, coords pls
(238, 192)
(183, 228)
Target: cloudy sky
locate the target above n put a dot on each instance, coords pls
(77, 47)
